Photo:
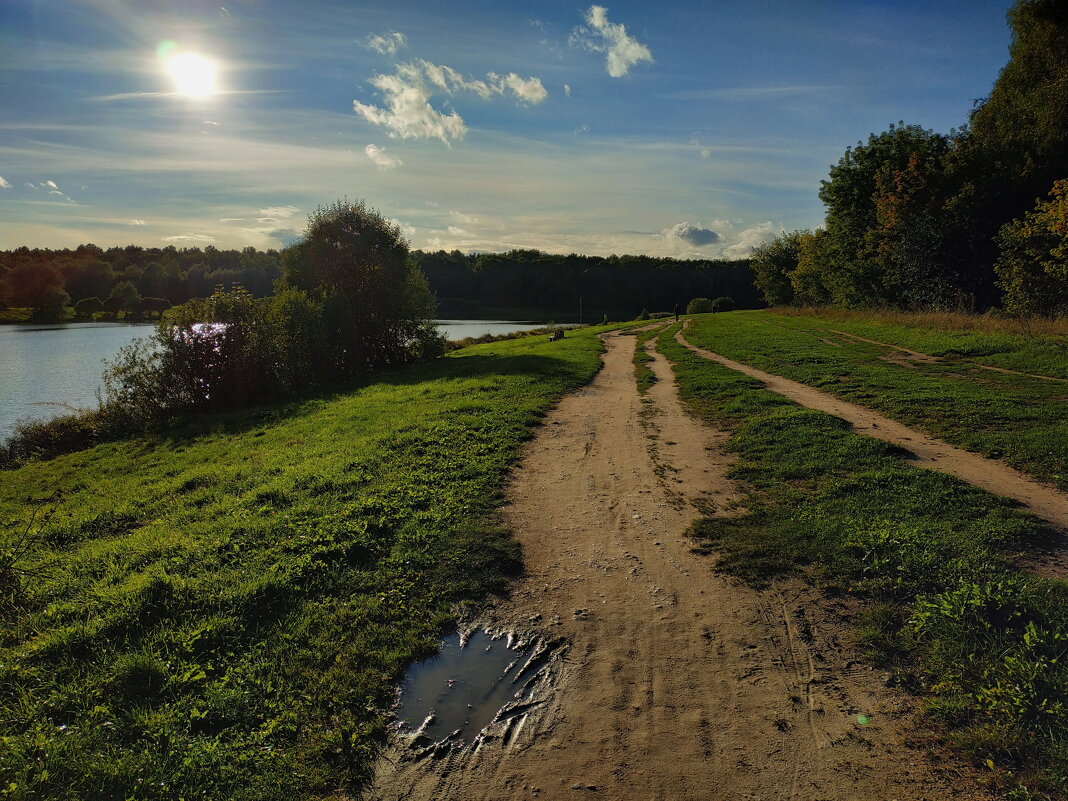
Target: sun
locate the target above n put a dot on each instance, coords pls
(193, 74)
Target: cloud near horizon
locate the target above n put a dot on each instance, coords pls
(407, 113)
(622, 50)
(690, 234)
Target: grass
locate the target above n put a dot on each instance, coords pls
(1022, 420)
(642, 374)
(986, 645)
(224, 614)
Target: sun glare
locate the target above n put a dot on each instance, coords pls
(193, 74)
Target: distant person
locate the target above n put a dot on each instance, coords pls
(676, 312)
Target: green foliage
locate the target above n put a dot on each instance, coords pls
(375, 303)
(29, 285)
(723, 304)
(224, 614)
(87, 307)
(883, 203)
(773, 262)
(1033, 267)
(700, 306)
(124, 297)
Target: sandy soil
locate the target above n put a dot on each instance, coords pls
(669, 681)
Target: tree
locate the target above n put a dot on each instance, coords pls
(723, 304)
(32, 285)
(377, 307)
(772, 263)
(1033, 267)
(87, 307)
(53, 306)
(862, 186)
(124, 297)
(700, 306)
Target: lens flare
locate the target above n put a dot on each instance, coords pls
(193, 74)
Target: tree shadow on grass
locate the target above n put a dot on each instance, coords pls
(272, 413)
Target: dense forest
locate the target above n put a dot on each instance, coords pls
(973, 219)
(135, 281)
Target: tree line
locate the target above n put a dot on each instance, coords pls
(969, 220)
(142, 282)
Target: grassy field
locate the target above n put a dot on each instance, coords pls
(930, 555)
(224, 614)
(1021, 419)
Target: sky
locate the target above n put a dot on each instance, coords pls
(688, 129)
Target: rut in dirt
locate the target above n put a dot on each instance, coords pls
(674, 682)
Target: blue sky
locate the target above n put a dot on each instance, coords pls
(675, 128)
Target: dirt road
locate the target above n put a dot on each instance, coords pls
(676, 683)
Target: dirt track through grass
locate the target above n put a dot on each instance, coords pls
(927, 451)
(679, 683)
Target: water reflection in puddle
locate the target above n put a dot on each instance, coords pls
(463, 687)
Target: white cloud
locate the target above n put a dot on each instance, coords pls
(137, 222)
(382, 160)
(4, 184)
(204, 238)
(279, 212)
(567, 90)
(744, 241)
(691, 235)
(456, 230)
(50, 185)
(386, 43)
(231, 219)
(602, 36)
(407, 112)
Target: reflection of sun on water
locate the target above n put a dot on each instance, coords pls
(193, 74)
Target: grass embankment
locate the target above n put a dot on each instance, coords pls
(223, 615)
(1023, 420)
(930, 555)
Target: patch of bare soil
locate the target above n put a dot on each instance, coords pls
(926, 451)
(669, 681)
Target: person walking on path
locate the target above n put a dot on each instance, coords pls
(676, 312)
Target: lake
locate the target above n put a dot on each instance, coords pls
(46, 370)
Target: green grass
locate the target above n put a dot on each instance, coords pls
(1023, 420)
(930, 555)
(642, 374)
(224, 614)
(15, 315)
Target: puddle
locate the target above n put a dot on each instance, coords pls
(464, 687)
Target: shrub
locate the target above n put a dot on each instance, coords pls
(87, 307)
(700, 306)
(723, 304)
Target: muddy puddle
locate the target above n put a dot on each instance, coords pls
(472, 682)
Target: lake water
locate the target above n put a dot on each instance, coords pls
(46, 370)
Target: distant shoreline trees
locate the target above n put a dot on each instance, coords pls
(527, 283)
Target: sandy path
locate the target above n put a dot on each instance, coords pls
(677, 683)
(927, 451)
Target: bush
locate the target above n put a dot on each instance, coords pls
(1033, 266)
(723, 304)
(87, 307)
(700, 306)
